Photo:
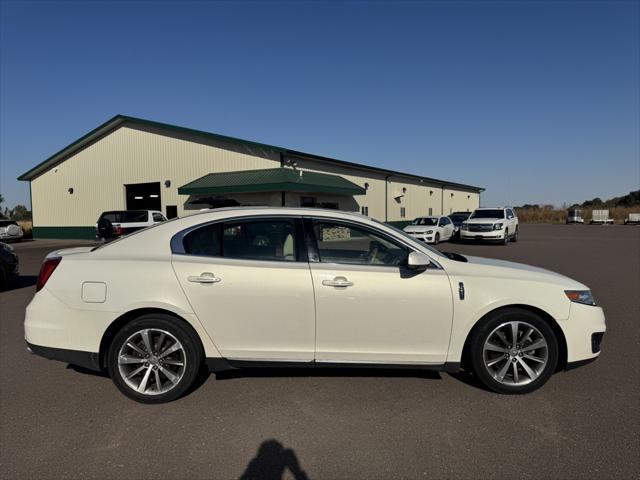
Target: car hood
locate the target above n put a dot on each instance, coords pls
(69, 251)
(484, 220)
(418, 228)
(517, 271)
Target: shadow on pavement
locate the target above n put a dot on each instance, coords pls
(272, 461)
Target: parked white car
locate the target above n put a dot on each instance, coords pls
(301, 287)
(431, 229)
(10, 230)
(491, 224)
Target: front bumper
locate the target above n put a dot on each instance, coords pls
(424, 237)
(583, 332)
(493, 235)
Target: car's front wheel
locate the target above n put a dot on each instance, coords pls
(154, 359)
(436, 239)
(514, 351)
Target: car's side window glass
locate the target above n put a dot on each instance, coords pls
(204, 241)
(509, 213)
(260, 240)
(347, 244)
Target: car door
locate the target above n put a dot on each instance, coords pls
(369, 307)
(249, 283)
(447, 228)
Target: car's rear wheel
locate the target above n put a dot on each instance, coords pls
(515, 351)
(154, 358)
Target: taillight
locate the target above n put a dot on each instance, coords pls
(47, 268)
(119, 230)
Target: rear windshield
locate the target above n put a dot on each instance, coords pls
(6, 223)
(488, 214)
(128, 216)
(456, 217)
(425, 221)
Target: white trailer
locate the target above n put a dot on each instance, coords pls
(601, 217)
(632, 218)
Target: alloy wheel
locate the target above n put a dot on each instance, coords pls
(152, 361)
(515, 353)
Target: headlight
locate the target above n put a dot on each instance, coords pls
(7, 247)
(580, 296)
(465, 225)
(429, 231)
(497, 226)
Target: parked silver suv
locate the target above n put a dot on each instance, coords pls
(491, 224)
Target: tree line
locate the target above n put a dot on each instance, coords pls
(19, 212)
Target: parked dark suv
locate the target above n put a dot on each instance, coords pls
(457, 218)
(9, 265)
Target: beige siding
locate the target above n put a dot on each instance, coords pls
(128, 155)
(133, 154)
(460, 201)
(374, 198)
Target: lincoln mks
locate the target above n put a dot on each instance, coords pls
(259, 287)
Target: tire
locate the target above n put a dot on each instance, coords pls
(176, 370)
(533, 367)
(505, 241)
(515, 236)
(436, 239)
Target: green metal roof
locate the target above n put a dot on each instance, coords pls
(119, 120)
(271, 180)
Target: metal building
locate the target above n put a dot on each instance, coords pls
(131, 163)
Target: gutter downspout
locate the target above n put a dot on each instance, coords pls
(386, 198)
(442, 201)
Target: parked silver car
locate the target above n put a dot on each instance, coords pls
(10, 230)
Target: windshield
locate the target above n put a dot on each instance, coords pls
(489, 213)
(127, 216)
(409, 238)
(428, 221)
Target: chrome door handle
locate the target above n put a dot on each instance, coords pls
(204, 277)
(337, 282)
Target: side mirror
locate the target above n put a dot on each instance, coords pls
(418, 261)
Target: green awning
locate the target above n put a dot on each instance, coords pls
(271, 180)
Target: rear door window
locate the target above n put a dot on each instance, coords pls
(269, 240)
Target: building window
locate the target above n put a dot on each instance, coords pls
(308, 201)
(430, 211)
(365, 211)
(403, 212)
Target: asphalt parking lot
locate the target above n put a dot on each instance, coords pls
(59, 422)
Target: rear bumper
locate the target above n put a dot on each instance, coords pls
(88, 360)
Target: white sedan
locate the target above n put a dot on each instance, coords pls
(431, 229)
(301, 287)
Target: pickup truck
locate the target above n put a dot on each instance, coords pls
(115, 223)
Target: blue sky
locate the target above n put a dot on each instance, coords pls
(538, 102)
